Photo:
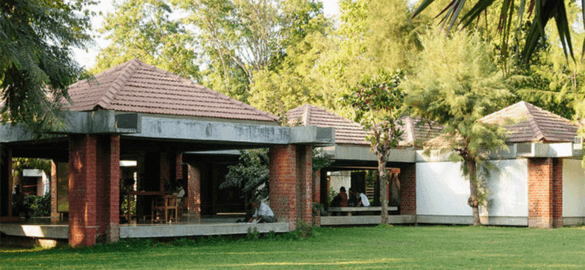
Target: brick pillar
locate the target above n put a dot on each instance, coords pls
(6, 185)
(283, 184)
(557, 192)
(305, 180)
(317, 196)
(179, 166)
(54, 184)
(94, 211)
(194, 191)
(540, 192)
(408, 189)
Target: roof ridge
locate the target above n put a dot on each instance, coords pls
(306, 113)
(119, 83)
(536, 128)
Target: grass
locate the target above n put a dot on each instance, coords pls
(331, 248)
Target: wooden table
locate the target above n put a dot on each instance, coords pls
(131, 195)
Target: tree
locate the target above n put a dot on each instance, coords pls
(455, 84)
(376, 101)
(241, 37)
(543, 10)
(36, 61)
(143, 29)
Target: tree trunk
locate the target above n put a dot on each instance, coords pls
(383, 188)
(473, 201)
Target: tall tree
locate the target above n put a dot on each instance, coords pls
(455, 84)
(36, 61)
(144, 29)
(376, 101)
(241, 37)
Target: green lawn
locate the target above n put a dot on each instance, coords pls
(334, 248)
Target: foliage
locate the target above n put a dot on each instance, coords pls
(19, 164)
(456, 83)
(39, 206)
(543, 10)
(143, 29)
(241, 37)
(376, 101)
(251, 175)
(321, 160)
(36, 61)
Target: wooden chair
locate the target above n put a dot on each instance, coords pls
(164, 207)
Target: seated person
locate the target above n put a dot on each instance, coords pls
(353, 201)
(363, 200)
(263, 212)
(180, 192)
(341, 199)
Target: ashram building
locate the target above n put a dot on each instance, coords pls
(173, 130)
(138, 112)
(538, 181)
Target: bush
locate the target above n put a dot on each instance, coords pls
(38, 206)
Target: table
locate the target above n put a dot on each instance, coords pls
(131, 195)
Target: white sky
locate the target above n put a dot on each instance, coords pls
(87, 58)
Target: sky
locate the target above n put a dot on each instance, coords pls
(87, 58)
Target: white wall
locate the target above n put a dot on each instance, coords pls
(442, 190)
(508, 189)
(573, 189)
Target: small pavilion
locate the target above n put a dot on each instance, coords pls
(138, 112)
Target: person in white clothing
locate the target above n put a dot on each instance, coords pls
(263, 212)
(363, 200)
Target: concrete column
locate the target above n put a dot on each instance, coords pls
(194, 191)
(94, 164)
(408, 189)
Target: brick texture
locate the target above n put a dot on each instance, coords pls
(545, 189)
(407, 189)
(317, 197)
(54, 183)
(291, 183)
(94, 181)
(194, 191)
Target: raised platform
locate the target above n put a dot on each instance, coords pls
(365, 220)
(202, 227)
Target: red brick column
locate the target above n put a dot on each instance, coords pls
(94, 164)
(194, 191)
(305, 178)
(557, 192)
(54, 214)
(179, 166)
(408, 189)
(317, 196)
(283, 183)
(540, 192)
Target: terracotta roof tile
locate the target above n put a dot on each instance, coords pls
(528, 123)
(138, 87)
(350, 132)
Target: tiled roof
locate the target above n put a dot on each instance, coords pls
(417, 131)
(138, 87)
(346, 131)
(350, 132)
(528, 123)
